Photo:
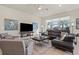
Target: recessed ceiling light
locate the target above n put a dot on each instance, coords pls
(39, 8)
(60, 5)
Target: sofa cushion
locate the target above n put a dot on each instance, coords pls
(68, 45)
(69, 38)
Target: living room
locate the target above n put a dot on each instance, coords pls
(41, 19)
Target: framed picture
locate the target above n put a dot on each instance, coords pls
(10, 24)
(77, 23)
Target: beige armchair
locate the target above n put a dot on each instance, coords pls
(12, 47)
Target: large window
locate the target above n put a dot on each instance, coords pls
(59, 23)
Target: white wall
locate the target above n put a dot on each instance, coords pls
(9, 13)
(73, 15)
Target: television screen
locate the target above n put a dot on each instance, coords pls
(24, 27)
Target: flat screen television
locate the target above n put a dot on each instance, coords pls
(24, 27)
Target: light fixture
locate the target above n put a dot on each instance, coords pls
(72, 24)
(60, 5)
(42, 8)
(39, 8)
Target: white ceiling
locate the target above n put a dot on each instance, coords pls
(47, 9)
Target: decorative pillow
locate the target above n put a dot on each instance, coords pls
(63, 36)
(3, 35)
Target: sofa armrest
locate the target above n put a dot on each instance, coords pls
(1, 51)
